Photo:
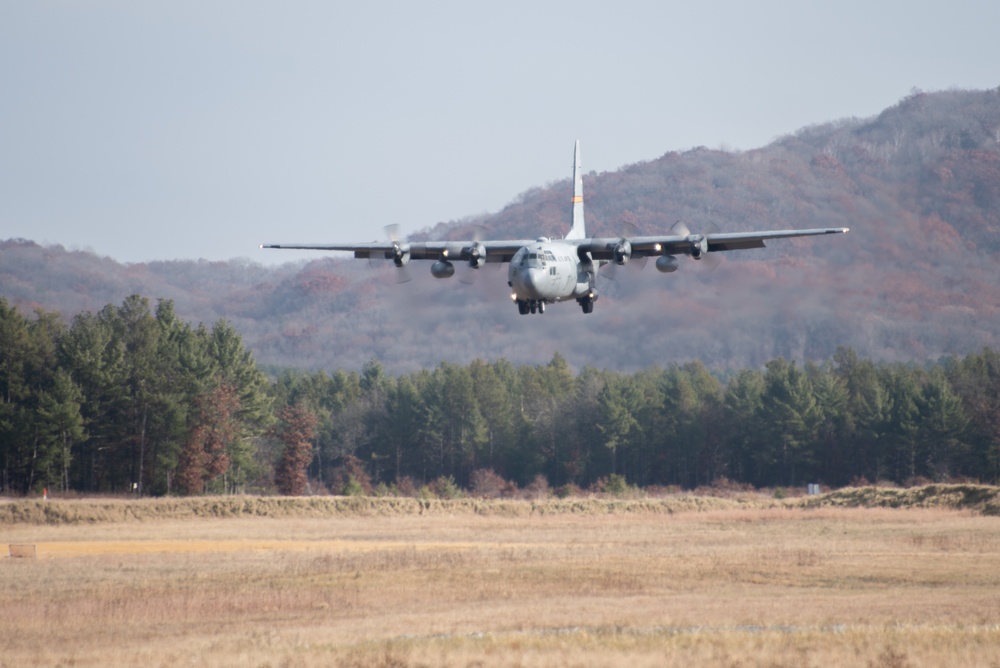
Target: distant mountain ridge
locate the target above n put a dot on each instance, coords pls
(917, 277)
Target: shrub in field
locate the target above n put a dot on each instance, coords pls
(616, 485)
(485, 484)
(352, 487)
(442, 488)
(724, 487)
(351, 478)
(488, 484)
(538, 489)
(405, 486)
(568, 490)
(383, 489)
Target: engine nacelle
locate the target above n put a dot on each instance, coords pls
(477, 255)
(401, 255)
(442, 269)
(699, 246)
(666, 264)
(622, 251)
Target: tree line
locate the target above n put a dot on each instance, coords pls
(131, 399)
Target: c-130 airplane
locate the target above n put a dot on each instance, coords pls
(545, 271)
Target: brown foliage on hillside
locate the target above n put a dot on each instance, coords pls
(919, 186)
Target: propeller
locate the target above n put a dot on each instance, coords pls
(699, 243)
(475, 256)
(622, 254)
(400, 254)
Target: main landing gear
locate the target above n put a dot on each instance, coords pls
(526, 306)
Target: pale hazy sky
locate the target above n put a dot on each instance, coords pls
(199, 129)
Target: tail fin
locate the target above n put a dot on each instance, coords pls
(578, 230)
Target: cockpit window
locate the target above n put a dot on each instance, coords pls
(524, 258)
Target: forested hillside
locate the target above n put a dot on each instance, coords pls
(916, 278)
(133, 399)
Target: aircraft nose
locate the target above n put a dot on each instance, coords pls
(528, 281)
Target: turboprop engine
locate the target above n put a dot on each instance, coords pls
(699, 246)
(477, 255)
(666, 264)
(400, 254)
(622, 251)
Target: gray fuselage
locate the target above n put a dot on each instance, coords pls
(548, 271)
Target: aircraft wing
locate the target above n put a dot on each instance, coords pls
(600, 248)
(686, 244)
(492, 251)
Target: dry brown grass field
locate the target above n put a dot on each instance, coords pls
(516, 583)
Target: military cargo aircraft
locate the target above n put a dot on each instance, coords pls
(545, 271)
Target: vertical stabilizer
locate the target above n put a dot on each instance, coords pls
(578, 230)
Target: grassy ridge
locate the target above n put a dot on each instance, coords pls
(980, 499)
(89, 511)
